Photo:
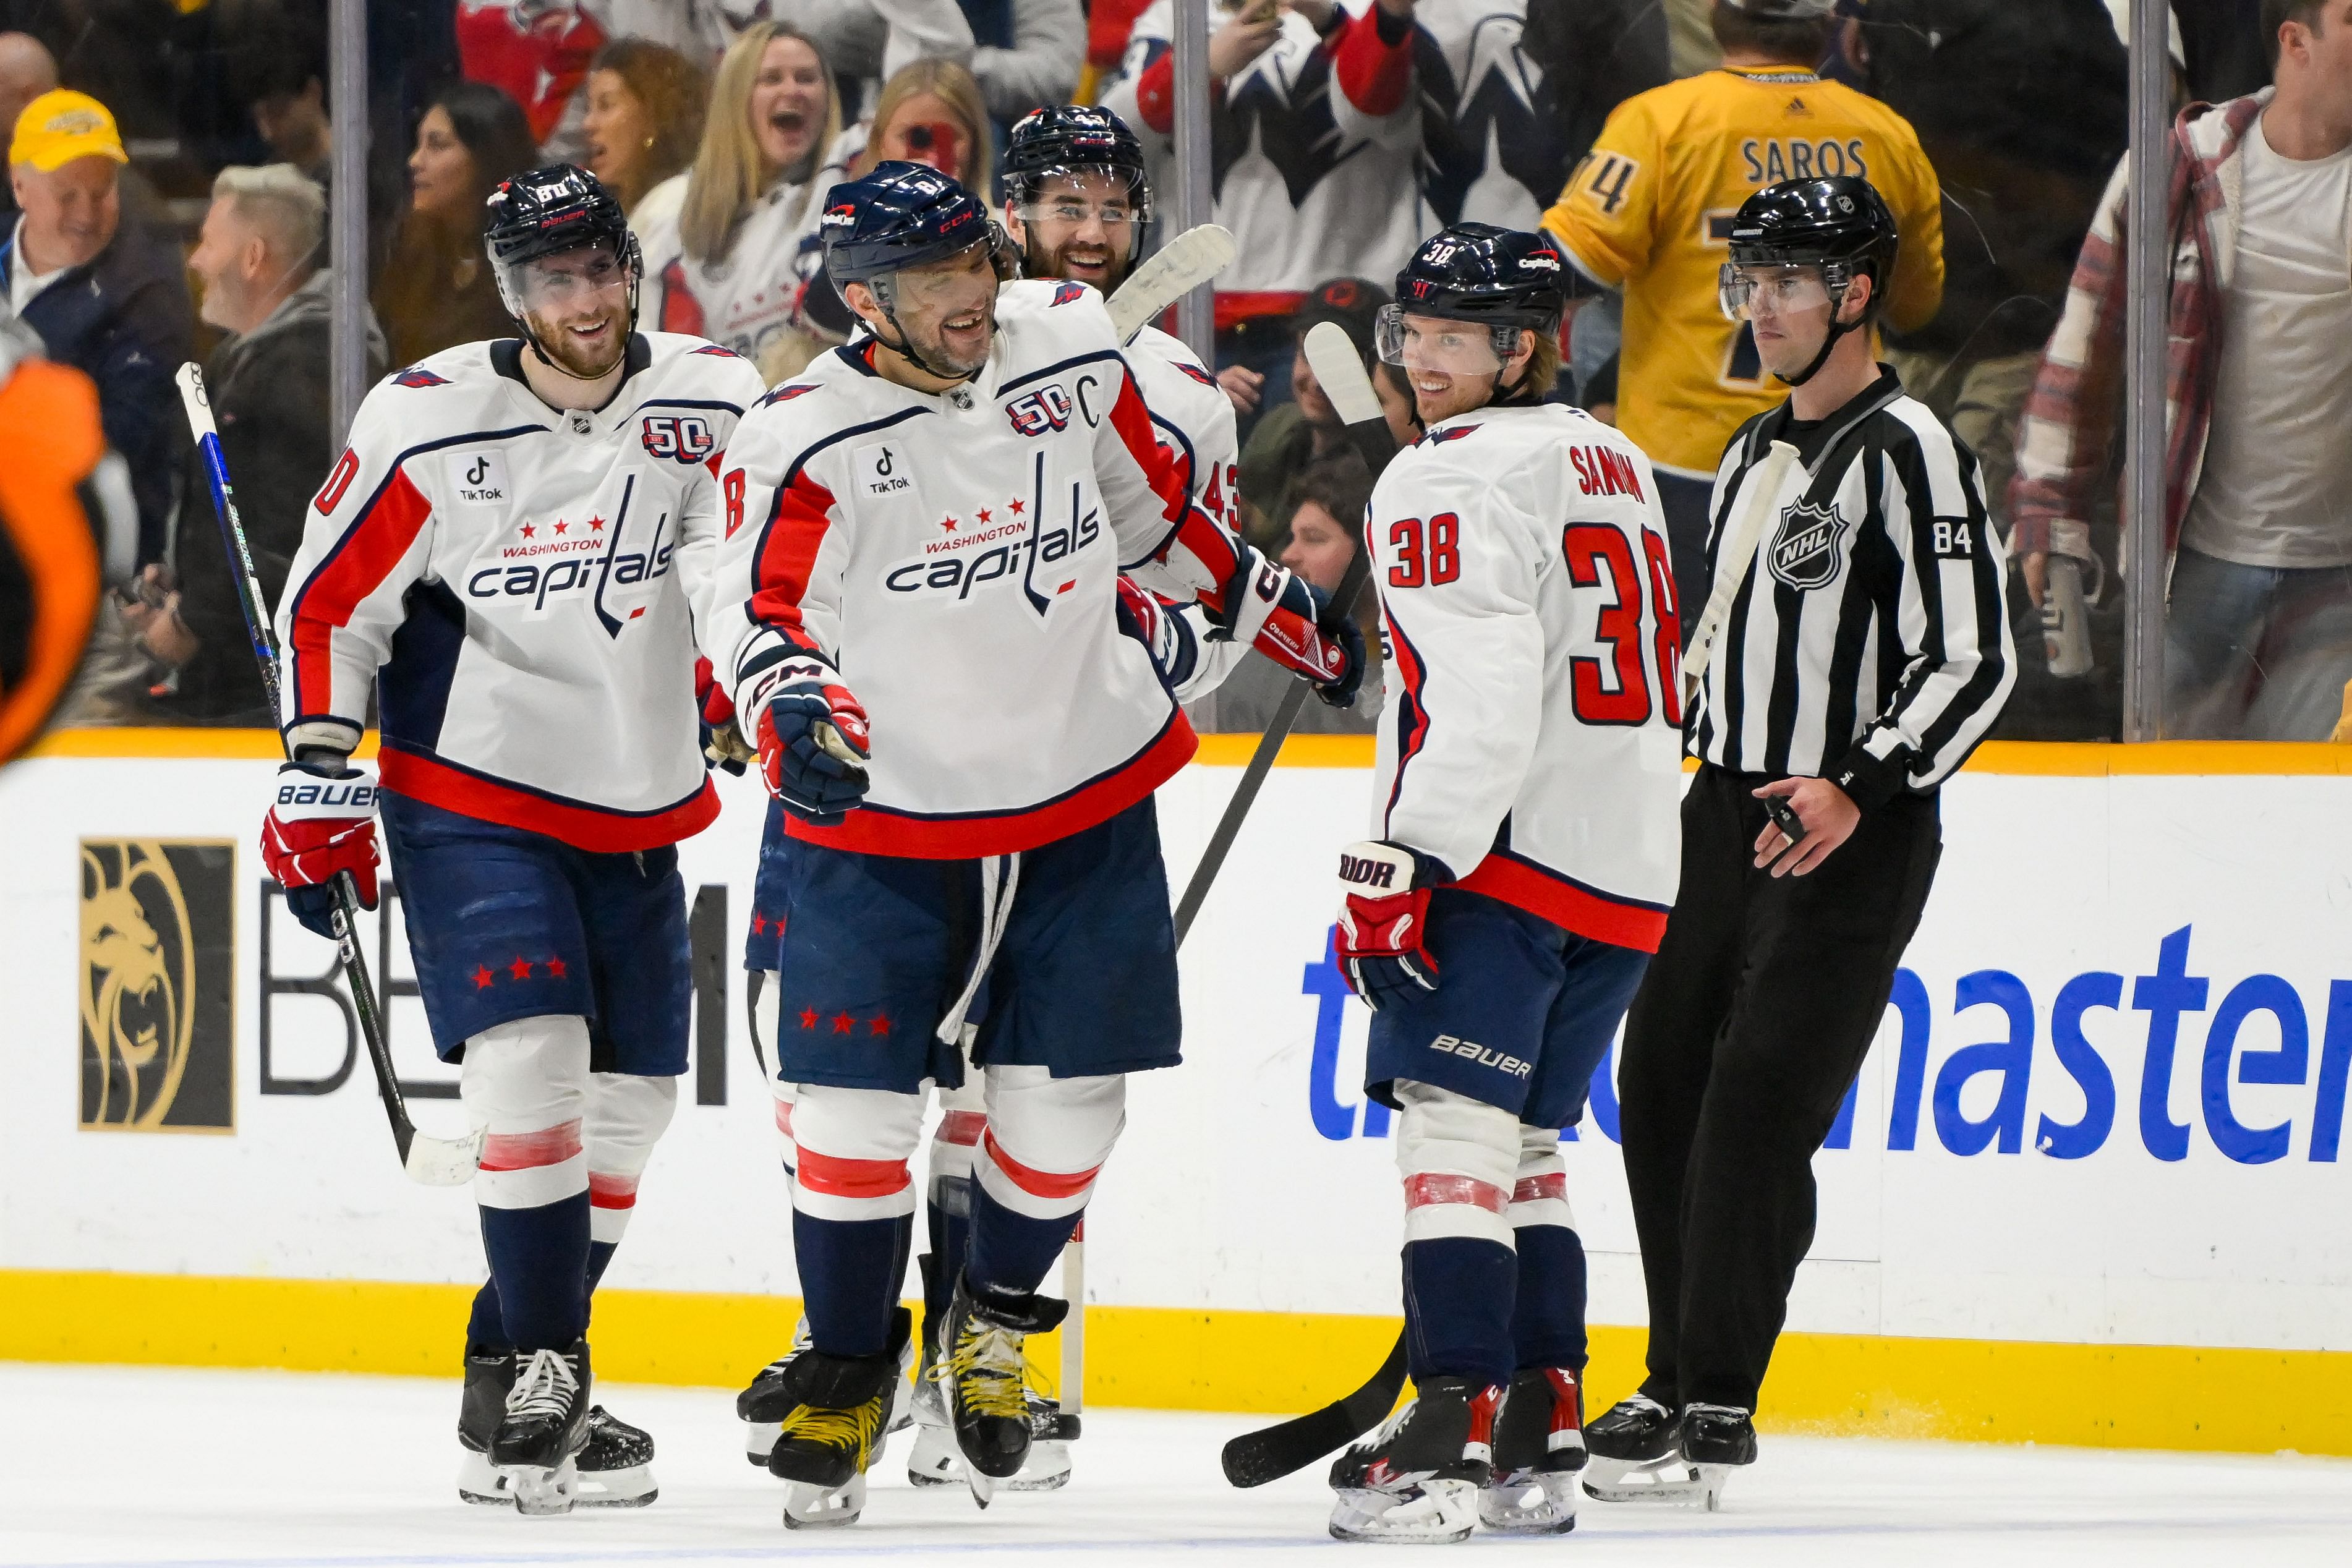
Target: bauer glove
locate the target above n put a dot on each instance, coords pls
(1384, 891)
(321, 824)
(814, 742)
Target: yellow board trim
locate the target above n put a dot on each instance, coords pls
(2119, 1396)
(2047, 759)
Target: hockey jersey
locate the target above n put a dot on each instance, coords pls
(1531, 735)
(1314, 144)
(1649, 211)
(515, 586)
(957, 556)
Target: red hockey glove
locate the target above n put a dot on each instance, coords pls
(722, 743)
(814, 742)
(1280, 613)
(1384, 920)
(321, 823)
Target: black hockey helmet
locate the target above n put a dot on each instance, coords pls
(1071, 139)
(545, 211)
(1840, 224)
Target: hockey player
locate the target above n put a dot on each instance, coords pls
(507, 558)
(917, 613)
(1529, 765)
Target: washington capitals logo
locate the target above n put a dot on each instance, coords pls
(1070, 291)
(1806, 549)
(417, 376)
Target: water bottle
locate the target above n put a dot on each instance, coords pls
(2065, 619)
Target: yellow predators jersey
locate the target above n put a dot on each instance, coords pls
(1649, 211)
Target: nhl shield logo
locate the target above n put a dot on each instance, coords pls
(1806, 549)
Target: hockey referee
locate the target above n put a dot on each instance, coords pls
(1854, 648)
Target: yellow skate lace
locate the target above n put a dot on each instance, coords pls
(987, 1366)
(854, 1429)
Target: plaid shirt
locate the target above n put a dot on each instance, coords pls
(2062, 443)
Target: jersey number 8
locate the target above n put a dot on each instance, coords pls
(1591, 547)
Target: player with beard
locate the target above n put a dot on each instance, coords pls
(508, 559)
(936, 518)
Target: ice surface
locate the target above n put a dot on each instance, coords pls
(165, 1466)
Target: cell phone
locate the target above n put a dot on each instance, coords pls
(1784, 817)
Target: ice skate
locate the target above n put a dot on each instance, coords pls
(763, 1404)
(1638, 1456)
(981, 1378)
(937, 1462)
(615, 1464)
(1538, 1449)
(542, 1429)
(836, 1415)
(1416, 1479)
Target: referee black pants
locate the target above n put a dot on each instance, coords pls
(1750, 1025)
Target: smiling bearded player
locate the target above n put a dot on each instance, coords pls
(508, 558)
(919, 614)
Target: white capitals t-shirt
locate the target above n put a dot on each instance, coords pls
(2277, 484)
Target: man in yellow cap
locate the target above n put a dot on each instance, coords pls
(105, 297)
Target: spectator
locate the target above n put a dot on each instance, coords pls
(644, 122)
(729, 267)
(1295, 433)
(1397, 408)
(27, 71)
(1326, 528)
(931, 112)
(1594, 55)
(279, 75)
(1024, 53)
(1648, 213)
(1314, 133)
(258, 262)
(105, 297)
(438, 292)
(2258, 386)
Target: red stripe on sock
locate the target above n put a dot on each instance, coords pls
(1038, 1184)
(1426, 1189)
(963, 1126)
(529, 1151)
(611, 1192)
(840, 1178)
(1535, 1189)
(784, 1116)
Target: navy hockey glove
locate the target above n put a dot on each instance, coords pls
(1384, 920)
(813, 743)
(1340, 693)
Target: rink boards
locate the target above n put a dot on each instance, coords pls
(2090, 1187)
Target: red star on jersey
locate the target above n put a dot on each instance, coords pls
(1018, 509)
(983, 514)
(843, 1023)
(482, 978)
(562, 527)
(881, 1024)
(596, 523)
(528, 530)
(520, 969)
(949, 524)
(808, 1018)
(555, 967)
(759, 924)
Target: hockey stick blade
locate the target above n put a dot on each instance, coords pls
(1193, 257)
(1333, 358)
(1271, 1453)
(428, 1160)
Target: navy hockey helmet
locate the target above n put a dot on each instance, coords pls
(545, 211)
(1505, 280)
(897, 216)
(1840, 225)
(1073, 139)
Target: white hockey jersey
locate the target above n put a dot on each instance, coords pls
(515, 586)
(1316, 144)
(1532, 732)
(957, 555)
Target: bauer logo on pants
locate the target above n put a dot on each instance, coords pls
(158, 1052)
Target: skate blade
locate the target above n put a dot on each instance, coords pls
(542, 1493)
(480, 1483)
(760, 1440)
(1438, 1513)
(809, 1507)
(935, 1461)
(1672, 1481)
(1047, 1469)
(631, 1486)
(1530, 1504)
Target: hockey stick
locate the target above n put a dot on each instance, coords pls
(434, 1161)
(1257, 1457)
(1333, 358)
(1193, 257)
(1731, 563)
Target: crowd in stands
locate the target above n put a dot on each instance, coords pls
(173, 163)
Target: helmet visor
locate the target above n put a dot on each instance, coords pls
(949, 284)
(1442, 343)
(1747, 290)
(564, 281)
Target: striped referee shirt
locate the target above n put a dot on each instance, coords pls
(1869, 643)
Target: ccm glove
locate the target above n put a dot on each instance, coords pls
(1278, 612)
(1384, 920)
(722, 743)
(321, 824)
(812, 742)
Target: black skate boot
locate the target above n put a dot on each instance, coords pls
(763, 1404)
(1416, 1479)
(1538, 1449)
(489, 1375)
(979, 1372)
(834, 1424)
(543, 1428)
(1718, 1435)
(1638, 1456)
(614, 1464)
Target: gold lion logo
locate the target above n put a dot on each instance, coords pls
(138, 977)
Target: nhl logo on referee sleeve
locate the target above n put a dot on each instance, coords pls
(1806, 549)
